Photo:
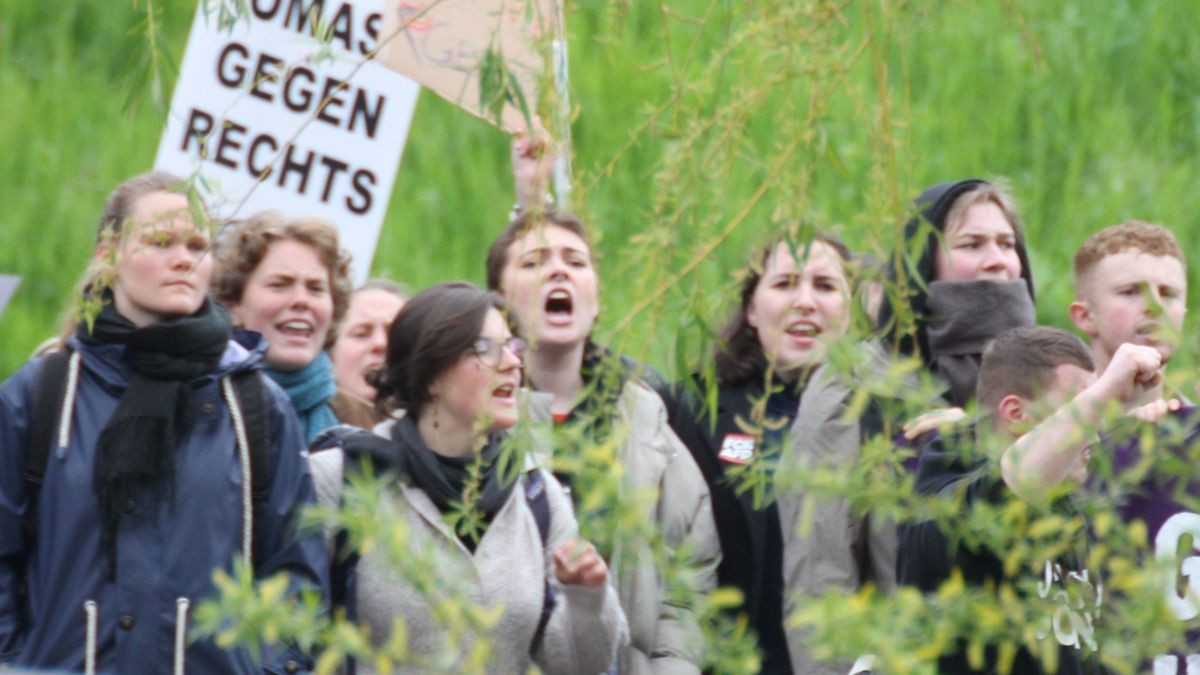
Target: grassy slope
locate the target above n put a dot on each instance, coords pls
(1090, 110)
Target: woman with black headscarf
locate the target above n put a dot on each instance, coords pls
(960, 278)
(972, 282)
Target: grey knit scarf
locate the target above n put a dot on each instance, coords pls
(964, 317)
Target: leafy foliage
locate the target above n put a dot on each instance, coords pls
(701, 126)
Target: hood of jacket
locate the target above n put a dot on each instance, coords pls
(923, 233)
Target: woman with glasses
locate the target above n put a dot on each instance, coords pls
(502, 542)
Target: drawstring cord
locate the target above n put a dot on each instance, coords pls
(91, 611)
(181, 612)
(243, 445)
(68, 406)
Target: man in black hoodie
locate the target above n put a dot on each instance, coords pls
(1024, 374)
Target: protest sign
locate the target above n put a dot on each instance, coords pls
(270, 117)
(8, 286)
(449, 45)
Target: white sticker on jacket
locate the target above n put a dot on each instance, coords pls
(737, 449)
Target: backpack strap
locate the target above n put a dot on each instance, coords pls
(358, 447)
(48, 391)
(251, 394)
(539, 504)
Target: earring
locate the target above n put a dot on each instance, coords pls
(435, 419)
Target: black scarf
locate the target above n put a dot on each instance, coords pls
(445, 479)
(135, 455)
(782, 405)
(964, 317)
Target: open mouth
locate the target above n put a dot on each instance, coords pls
(803, 329)
(295, 329)
(559, 303)
(504, 391)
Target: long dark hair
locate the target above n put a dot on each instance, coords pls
(926, 229)
(739, 356)
(431, 332)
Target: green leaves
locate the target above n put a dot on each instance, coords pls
(499, 87)
(151, 64)
(256, 614)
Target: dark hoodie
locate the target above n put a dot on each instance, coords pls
(931, 207)
(949, 469)
(750, 533)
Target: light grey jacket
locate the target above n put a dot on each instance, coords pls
(665, 635)
(841, 548)
(506, 574)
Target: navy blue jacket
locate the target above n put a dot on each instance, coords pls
(161, 559)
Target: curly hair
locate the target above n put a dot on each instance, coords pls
(1131, 235)
(241, 249)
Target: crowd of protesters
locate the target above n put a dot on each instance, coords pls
(226, 383)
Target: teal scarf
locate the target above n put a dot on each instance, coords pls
(311, 389)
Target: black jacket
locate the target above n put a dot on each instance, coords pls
(751, 542)
(927, 557)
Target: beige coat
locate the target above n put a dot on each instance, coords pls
(665, 636)
(841, 549)
(506, 572)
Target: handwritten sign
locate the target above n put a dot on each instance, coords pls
(443, 43)
(270, 117)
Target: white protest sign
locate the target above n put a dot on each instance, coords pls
(8, 286)
(248, 105)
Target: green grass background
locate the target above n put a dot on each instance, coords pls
(689, 117)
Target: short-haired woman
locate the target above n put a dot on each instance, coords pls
(289, 280)
(542, 264)
(454, 368)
